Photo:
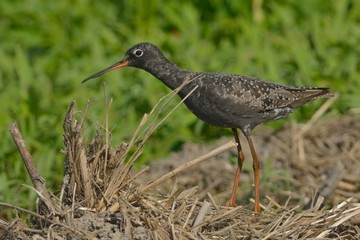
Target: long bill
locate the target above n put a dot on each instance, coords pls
(120, 64)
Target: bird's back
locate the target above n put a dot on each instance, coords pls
(229, 100)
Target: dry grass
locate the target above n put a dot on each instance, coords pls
(100, 200)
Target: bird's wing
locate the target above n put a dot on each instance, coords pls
(267, 96)
(293, 97)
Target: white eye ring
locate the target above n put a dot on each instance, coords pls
(138, 52)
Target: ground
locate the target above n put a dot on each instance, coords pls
(295, 164)
(310, 182)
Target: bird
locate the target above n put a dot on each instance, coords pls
(223, 100)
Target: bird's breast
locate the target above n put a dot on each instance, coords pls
(216, 107)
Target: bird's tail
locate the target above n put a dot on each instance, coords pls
(304, 95)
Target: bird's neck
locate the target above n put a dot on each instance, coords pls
(169, 73)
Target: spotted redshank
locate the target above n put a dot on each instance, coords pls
(223, 100)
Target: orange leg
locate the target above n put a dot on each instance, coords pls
(232, 202)
(256, 168)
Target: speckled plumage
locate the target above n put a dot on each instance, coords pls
(222, 99)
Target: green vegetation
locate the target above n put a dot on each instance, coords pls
(48, 47)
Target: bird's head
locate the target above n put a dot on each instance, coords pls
(140, 56)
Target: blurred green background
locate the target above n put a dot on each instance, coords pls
(48, 47)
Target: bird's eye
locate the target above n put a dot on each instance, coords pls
(138, 52)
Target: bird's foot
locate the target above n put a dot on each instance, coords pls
(232, 203)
